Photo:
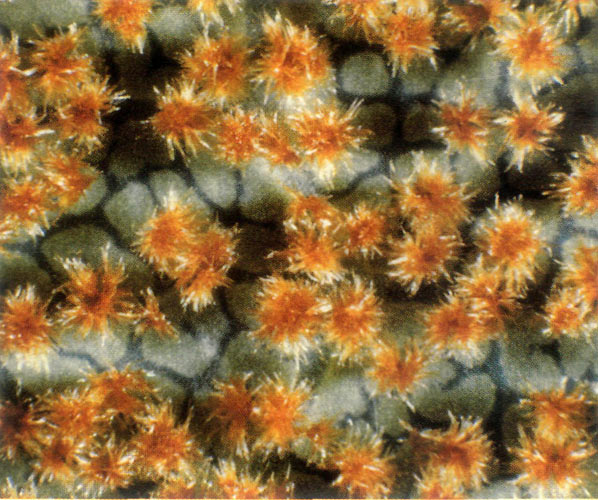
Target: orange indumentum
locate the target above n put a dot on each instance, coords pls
(168, 233)
(431, 485)
(150, 318)
(232, 483)
(408, 36)
(365, 471)
(229, 409)
(423, 258)
(277, 414)
(354, 321)
(106, 466)
(531, 41)
(558, 415)
(122, 394)
(581, 274)
(488, 295)
(275, 143)
(126, 18)
(566, 313)
(510, 239)
(475, 16)
(70, 176)
(315, 254)
(205, 266)
(452, 325)
(59, 65)
(309, 211)
(79, 118)
(579, 190)
(25, 328)
(178, 487)
(364, 15)
(528, 129)
(13, 79)
(20, 136)
(237, 136)
(56, 458)
(326, 134)
(290, 314)
(431, 196)
(17, 428)
(184, 119)
(366, 230)
(163, 447)
(24, 206)
(293, 60)
(464, 125)
(398, 369)
(219, 65)
(460, 455)
(553, 468)
(95, 297)
(210, 11)
(71, 414)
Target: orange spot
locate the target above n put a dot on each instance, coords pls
(169, 233)
(365, 15)
(70, 176)
(17, 429)
(150, 318)
(80, 117)
(552, 468)
(24, 206)
(237, 137)
(464, 125)
(364, 470)
(409, 36)
(530, 40)
(354, 321)
(293, 62)
(528, 129)
(430, 196)
(461, 455)
(25, 329)
(274, 142)
(558, 416)
(163, 448)
(220, 66)
(19, 136)
(289, 313)
(205, 266)
(315, 254)
(452, 325)
(59, 66)
(95, 297)
(326, 134)
(582, 275)
(366, 231)
(566, 314)
(510, 239)
(229, 408)
(231, 483)
(422, 259)
(398, 369)
(277, 414)
(184, 119)
(127, 18)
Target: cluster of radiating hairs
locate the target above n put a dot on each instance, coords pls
(555, 443)
(272, 97)
(52, 105)
(215, 104)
